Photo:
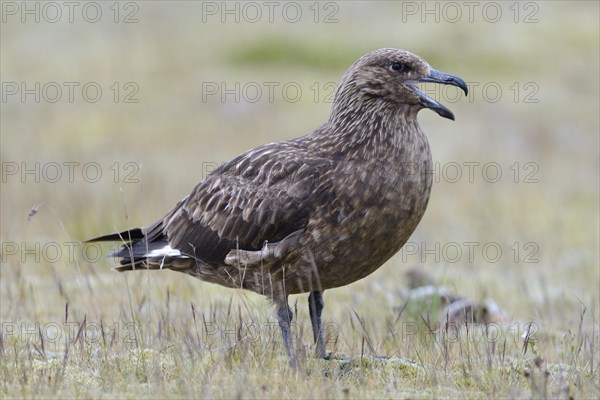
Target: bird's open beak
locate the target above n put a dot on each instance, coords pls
(442, 78)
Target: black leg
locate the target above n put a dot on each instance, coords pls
(315, 308)
(284, 317)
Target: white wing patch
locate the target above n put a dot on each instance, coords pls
(166, 251)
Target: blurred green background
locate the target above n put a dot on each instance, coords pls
(532, 114)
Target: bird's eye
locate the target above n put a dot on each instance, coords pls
(396, 66)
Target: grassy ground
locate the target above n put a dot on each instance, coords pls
(73, 328)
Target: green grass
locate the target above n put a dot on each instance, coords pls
(72, 328)
(292, 53)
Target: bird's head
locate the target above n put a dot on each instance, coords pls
(389, 76)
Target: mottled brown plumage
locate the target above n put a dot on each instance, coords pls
(311, 213)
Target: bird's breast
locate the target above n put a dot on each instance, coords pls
(379, 203)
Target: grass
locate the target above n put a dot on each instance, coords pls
(72, 328)
(292, 53)
(170, 351)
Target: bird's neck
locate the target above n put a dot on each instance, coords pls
(372, 129)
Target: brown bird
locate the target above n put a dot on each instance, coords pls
(312, 213)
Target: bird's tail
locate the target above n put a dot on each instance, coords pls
(144, 249)
(125, 236)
